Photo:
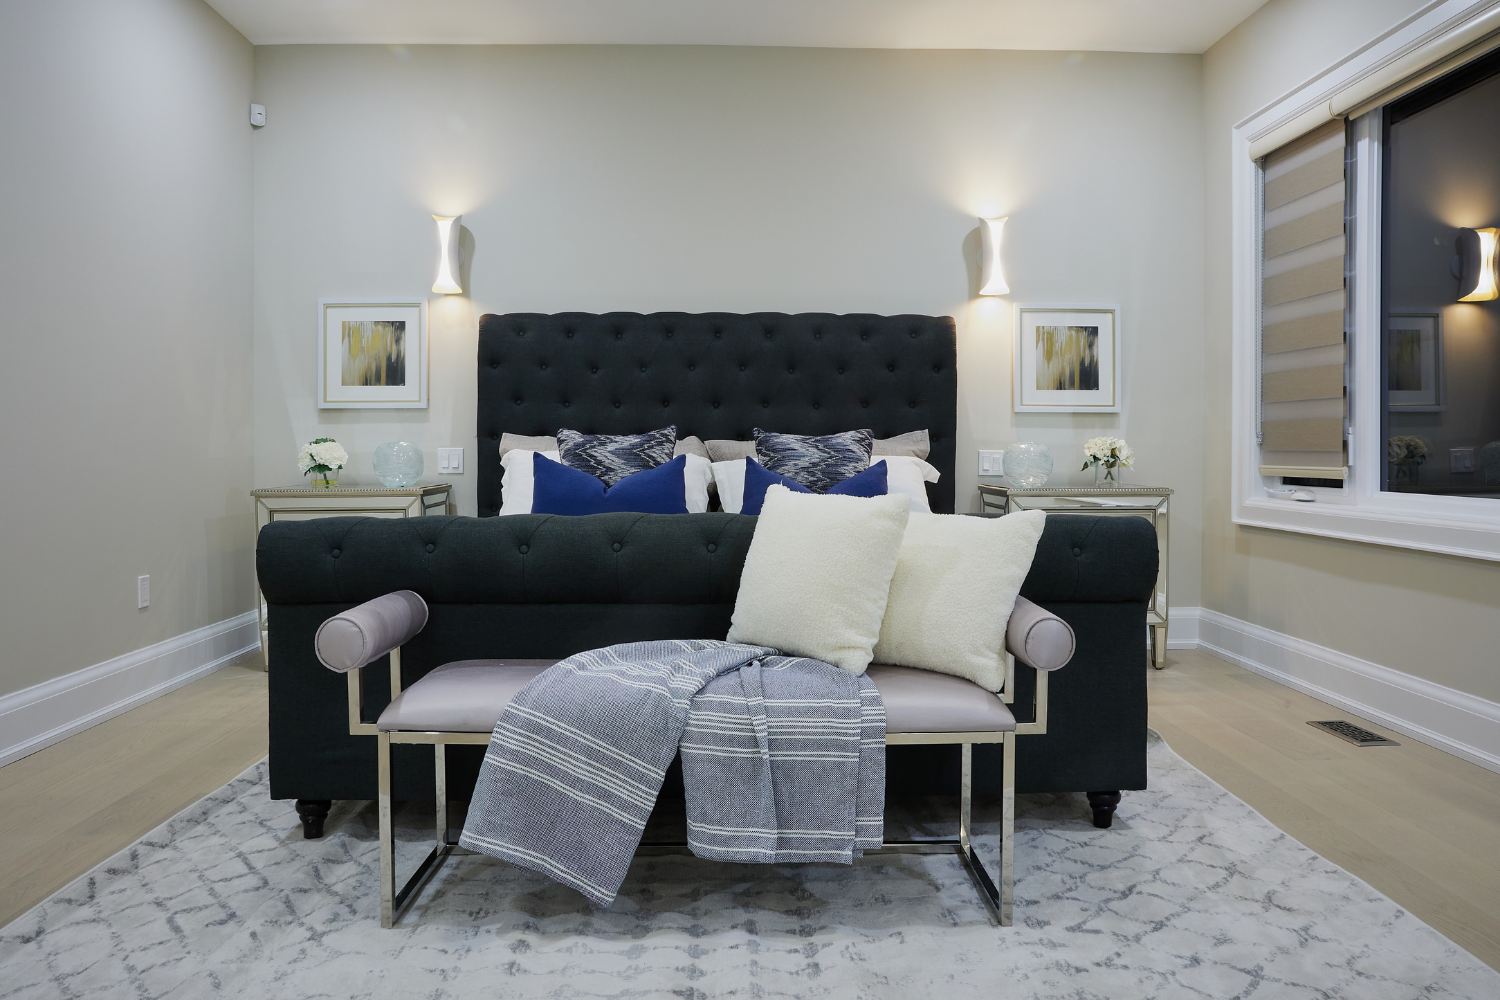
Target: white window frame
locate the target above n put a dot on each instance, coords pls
(1360, 511)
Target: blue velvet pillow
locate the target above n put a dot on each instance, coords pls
(557, 489)
(758, 479)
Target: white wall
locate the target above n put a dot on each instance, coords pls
(599, 178)
(125, 397)
(1432, 616)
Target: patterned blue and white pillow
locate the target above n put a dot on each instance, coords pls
(816, 461)
(612, 457)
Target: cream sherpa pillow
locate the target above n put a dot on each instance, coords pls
(955, 584)
(817, 575)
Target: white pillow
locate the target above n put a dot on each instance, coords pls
(904, 474)
(516, 482)
(729, 477)
(953, 590)
(817, 575)
(696, 479)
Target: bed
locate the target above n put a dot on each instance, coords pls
(715, 375)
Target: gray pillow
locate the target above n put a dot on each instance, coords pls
(728, 451)
(511, 442)
(691, 445)
(916, 444)
(612, 457)
(817, 461)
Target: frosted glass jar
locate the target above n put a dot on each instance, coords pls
(1028, 464)
(398, 464)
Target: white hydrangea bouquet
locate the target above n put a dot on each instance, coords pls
(1107, 456)
(323, 457)
(1406, 452)
(1406, 448)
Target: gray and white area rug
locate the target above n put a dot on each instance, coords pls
(1192, 894)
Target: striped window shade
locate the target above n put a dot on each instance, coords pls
(1302, 397)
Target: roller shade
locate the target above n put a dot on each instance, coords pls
(1302, 396)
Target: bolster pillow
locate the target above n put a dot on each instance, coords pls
(368, 631)
(1037, 637)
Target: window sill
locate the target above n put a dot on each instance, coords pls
(1455, 531)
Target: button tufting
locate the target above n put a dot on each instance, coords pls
(864, 405)
(712, 547)
(765, 404)
(817, 406)
(544, 366)
(1077, 551)
(665, 403)
(617, 546)
(524, 549)
(494, 436)
(643, 369)
(692, 368)
(890, 368)
(912, 405)
(570, 334)
(566, 404)
(494, 364)
(594, 370)
(336, 553)
(518, 402)
(864, 336)
(742, 367)
(841, 371)
(937, 368)
(716, 405)
(791, 371)
(431, 547)
(617, 406)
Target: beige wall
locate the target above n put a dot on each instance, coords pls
(1437, 617)
(705, 178)
(125, 402)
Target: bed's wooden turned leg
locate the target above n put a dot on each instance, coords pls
(1103, 804)
(313, 812)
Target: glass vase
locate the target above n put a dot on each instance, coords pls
(1027, 465)
(398, 464)
(325, 480)
(1108, 476)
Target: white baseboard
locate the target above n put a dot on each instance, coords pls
(1464, 725)
(39, 716)
(1182, 628)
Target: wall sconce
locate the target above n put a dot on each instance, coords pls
(449, 255)
(991, 277)
(1475, 265)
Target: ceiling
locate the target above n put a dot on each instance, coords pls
(1099, 25)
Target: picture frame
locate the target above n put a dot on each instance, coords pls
(1414, 373)
(372, 354)
(1066, 359)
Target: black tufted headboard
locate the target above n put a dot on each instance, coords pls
(715, 375)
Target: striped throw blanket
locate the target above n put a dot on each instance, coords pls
(783, 758)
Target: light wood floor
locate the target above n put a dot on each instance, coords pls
(65, 809)
(1421, 826)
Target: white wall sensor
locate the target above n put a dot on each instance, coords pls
(258, 115)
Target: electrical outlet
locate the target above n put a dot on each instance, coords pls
(451, 460)
(1460, 459)
(992, 463)
(143, 592)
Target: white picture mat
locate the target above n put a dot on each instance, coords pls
(333, 394)
(1429, 398)
(1028, 398)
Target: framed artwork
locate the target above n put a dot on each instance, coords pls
(1414, 362)
(372, 354)
(1067, 359)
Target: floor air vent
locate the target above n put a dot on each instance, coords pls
(1354, 734)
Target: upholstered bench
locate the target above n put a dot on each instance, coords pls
(460, 702)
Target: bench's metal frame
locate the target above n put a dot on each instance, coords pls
(999, 899)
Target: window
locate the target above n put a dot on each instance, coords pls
(1441, 385)
(1366, 398)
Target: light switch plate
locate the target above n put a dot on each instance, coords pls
(143, 591)
(451, 461)
(1460, 459)
(992, 463)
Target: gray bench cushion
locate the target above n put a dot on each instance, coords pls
(467, 696)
